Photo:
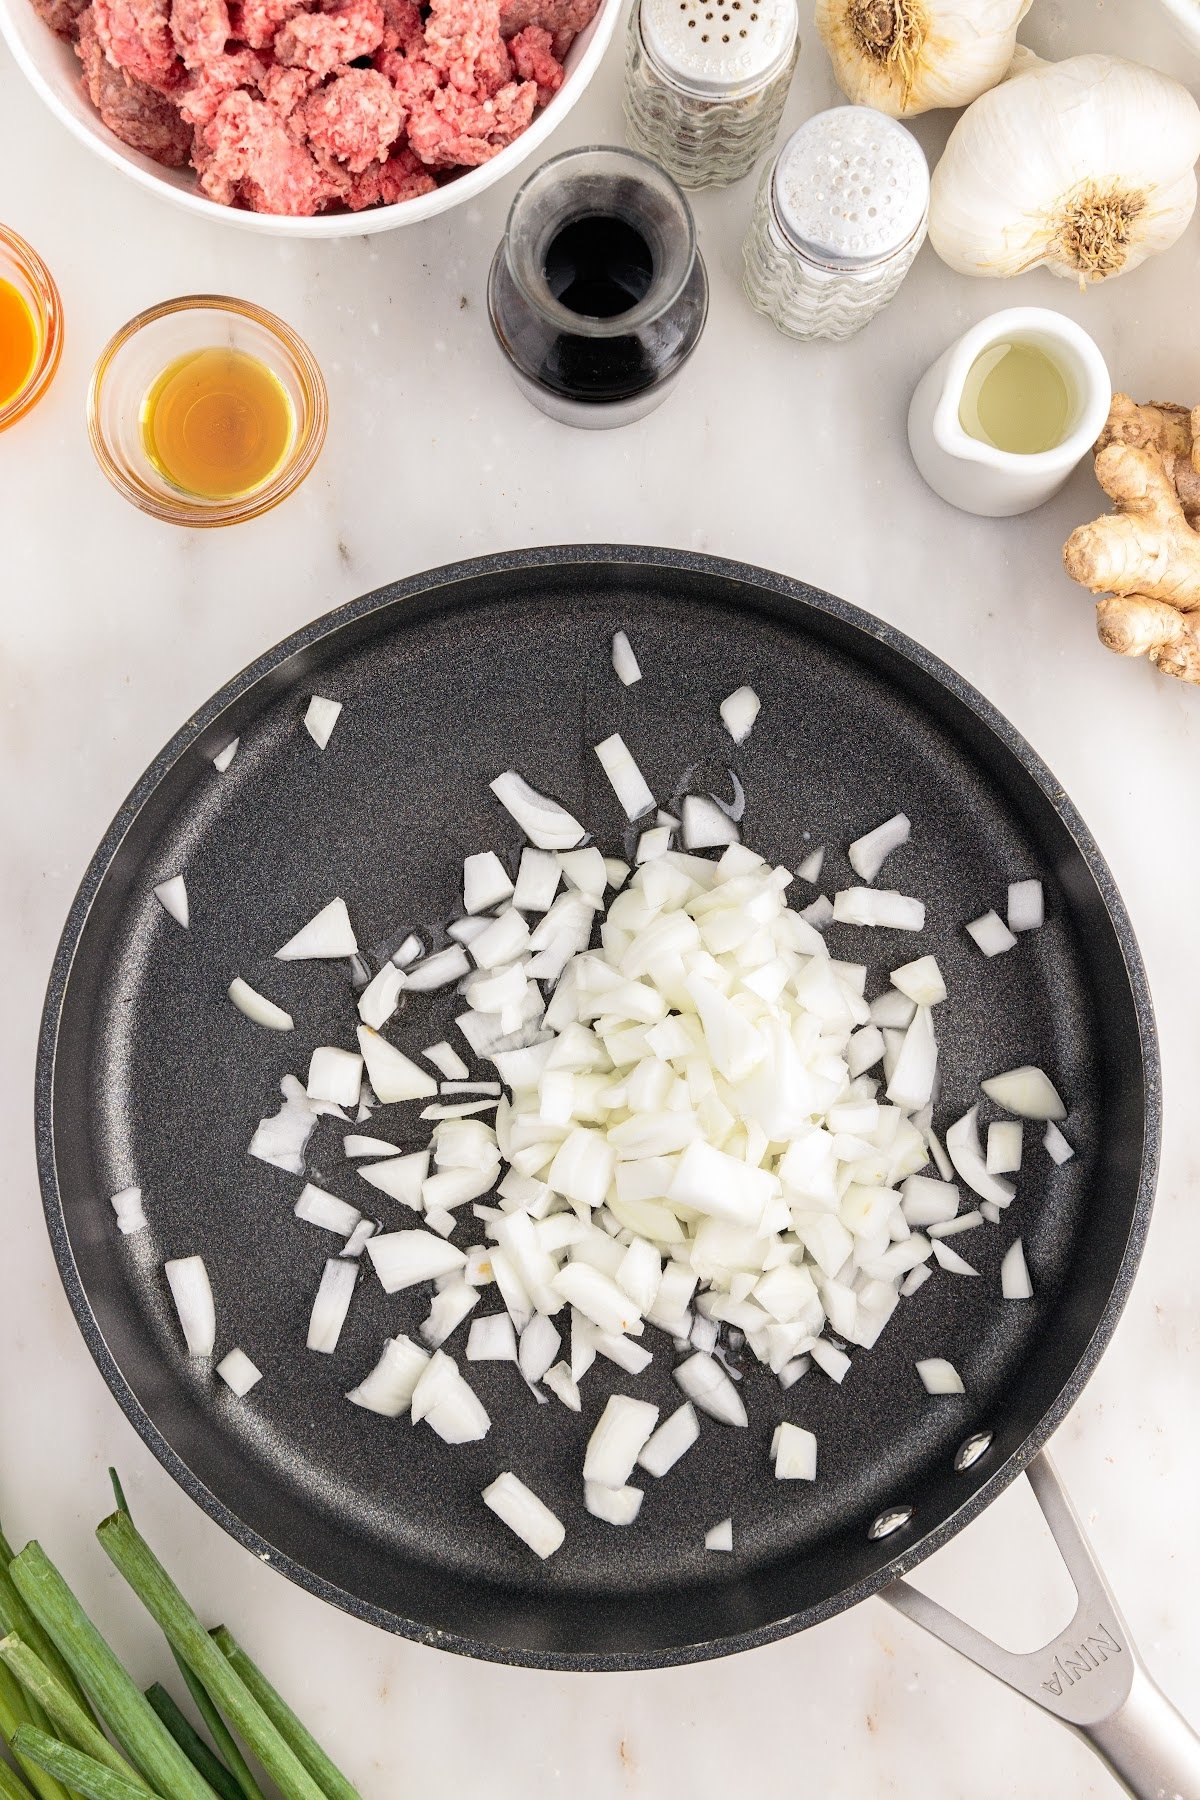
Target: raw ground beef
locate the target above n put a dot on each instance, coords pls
(272, 102)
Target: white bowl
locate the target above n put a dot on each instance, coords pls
(1185, 16)
(54, 70)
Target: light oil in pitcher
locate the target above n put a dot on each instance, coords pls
(1016, 399)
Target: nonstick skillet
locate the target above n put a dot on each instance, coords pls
(147, 1076)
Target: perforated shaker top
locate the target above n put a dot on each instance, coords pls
(851, 187)
(718, 47)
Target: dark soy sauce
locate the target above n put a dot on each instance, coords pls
(599, 266)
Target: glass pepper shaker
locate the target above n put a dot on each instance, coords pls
(705, 83)
(838, 218)
(598, 293)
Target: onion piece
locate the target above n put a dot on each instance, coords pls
(328, 934)
(834, 1362)
(927, 1202)
(388, 1388)
(438, 970)
(704, 826)
(537, 881)
(879, 907)
(810, 869)
(950, 1260)
(951, 1227)
(921, 981)
(317, 1207)
(485, 882)
(492, 1339)
(916, 1278)
(1056, 1145)
(451, 1305)
(719, 1537)
(390, 1072)
(280, 1138)
(624, 662)
(449, 1404)
(401, 1177)
(1004, 1147)
(893, 1011)
(528, 1517)
(707, 1386)
(354, 1144)
(991, 934)
(868, 854)
(991, 1212)
(1026, 905)
(962, 1142)
(401, 1259)
(192, 1293)
(598, 1298)
(335, 1075)
(738, 711)
(331, 1305)
(1026, 1091)
(127, 1205)
(794, 1451)
(446, 1061)
(381, 996)
(545, 823)
(223, 758)
(258, 1008)
(320, 718)
(819, 913)
(356, 1243)
(408, 952)
(672, 1439)
(911, 1083)
(238, 1372)
(540, 1344)
(616, 1506)
(619, 1435)
(652, 844)
(1014, 1273)
(628, 782)
(939, 1376)
(172, 897)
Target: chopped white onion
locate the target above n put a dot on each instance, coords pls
(280, 1139)
(951, 1227)
(408, 952)
(719, 1537)
(335, 1075)
(326, 1210)
(401, 1259)
(707, 1386)
(354, 1144)
(926, 1202)
(704, 826)
(878, 907)
(624, 662)
(238, 1372)
(446, 1061)
(545, 823)
(1026, 905)
(524, 1514)
(391, 1074)
(320, 718)
(131, 1215)
(868, 854)
(1014, 1273)
(381, 996)
(356, 1243)
(616, 1506)
(223, 758)
(539, 1346)
(810, 868)
(914, 1279)
(664, 1447)
(1004, 1147)
(449, 1404)
(950, 1260)
(921, 981)
(492, 1339)
(172, 897)
(619, 1435)
(451, 1305)
(834, 1362)
(328, 934)
(1026, 1091)
(258, 1008)
(562, 1383)
(794, 1451)
(739, 710)
(628, 782)
(939, 1376)
(962, 1142)
(911, 1082)
(401, 1177)
(439, 970)
(331, 1305)
(1056, 1146)
(485, 882)
(991, 934)
(192, 1293)
(388, 1388)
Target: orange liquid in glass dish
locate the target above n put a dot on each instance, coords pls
(20, 341)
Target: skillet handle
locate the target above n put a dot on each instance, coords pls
(1091, 1676)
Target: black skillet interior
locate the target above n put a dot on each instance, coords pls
(149, 1076)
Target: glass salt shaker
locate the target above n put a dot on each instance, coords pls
(598, 293)
(838, 219)
(705, 83)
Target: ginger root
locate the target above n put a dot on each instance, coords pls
(1145, 558)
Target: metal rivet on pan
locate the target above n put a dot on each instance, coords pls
(971, 1449)
(889, 1521)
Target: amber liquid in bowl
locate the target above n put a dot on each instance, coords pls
(217, 423)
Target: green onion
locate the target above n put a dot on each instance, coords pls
(87, 1776)
(16, 1712)
(284, 1720)
(222, 1737)
(16, 1618)
(192, 1744)
(61, 1708)
(120, 1702)
(11, 1785)
(125, 1546)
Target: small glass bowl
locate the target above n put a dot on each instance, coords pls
(133, 360)
(21, 264)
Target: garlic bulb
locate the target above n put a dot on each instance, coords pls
(906, 56)
(1084, 167)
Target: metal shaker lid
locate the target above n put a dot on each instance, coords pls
(851, 187)
(718, 48)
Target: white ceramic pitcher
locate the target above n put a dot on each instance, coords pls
(975, 476)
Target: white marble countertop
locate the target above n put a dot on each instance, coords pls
(112, 628)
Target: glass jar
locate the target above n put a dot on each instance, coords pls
(705, 83)
(23, 269)
(838, 218)
(597, 292)
(131, 363)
